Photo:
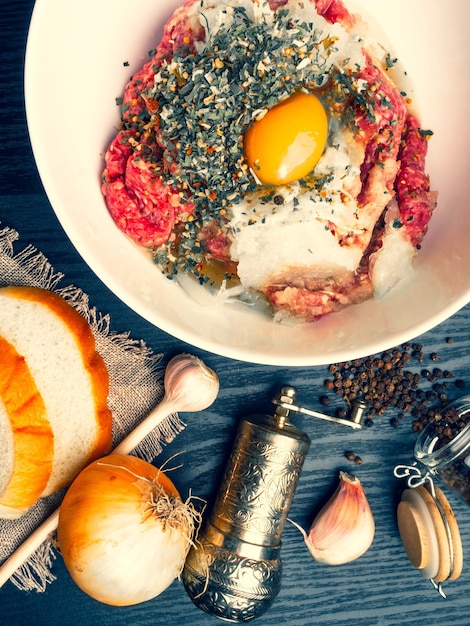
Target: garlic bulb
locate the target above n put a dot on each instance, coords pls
(344, 528)
(189, 383)
(190, 386)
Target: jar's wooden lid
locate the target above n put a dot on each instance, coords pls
(430, 534)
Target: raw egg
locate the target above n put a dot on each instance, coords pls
(286, 144)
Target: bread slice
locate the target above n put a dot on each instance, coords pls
(59, 348)
(26, 437)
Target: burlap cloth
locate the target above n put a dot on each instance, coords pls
(135, 388)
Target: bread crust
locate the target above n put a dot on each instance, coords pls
(33, 439)
(93, 363)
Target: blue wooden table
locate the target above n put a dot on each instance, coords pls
(379, 588)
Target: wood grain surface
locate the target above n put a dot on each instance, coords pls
(380, 588)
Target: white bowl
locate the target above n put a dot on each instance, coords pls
(79, 57)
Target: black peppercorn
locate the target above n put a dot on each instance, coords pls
(353, 457)
(384, 384)
(325, 400)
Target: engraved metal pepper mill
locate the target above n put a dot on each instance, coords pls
(234, 570)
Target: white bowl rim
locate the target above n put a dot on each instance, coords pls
(69, 134)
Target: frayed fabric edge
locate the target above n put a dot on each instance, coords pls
(31, 267)
(36, 573)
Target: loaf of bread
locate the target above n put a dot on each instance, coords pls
(58, 347)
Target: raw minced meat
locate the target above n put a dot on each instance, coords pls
(158, 207)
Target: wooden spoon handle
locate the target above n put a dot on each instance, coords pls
(28, 547)
(153, 419)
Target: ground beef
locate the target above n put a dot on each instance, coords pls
(393, 140)
(332, 10)
(150, 211)
(311, 304)
(133, 180)
(415, 200)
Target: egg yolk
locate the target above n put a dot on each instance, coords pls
(286, 144)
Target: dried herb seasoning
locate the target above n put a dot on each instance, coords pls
(208, 99)
(205, 97)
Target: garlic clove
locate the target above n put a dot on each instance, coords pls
(344, 528)
(190, 383)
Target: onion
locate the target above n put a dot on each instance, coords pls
(124, 532)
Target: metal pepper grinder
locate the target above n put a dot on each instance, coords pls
(234, 570)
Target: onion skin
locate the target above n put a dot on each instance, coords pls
(117, 550)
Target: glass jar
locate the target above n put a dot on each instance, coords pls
(443, 447)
